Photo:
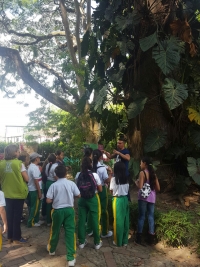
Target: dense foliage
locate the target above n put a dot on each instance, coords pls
(146, 56)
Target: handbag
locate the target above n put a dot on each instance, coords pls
(146, 189)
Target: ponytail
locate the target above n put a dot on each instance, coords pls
(51, 160)
(152, 175)
(96, 155)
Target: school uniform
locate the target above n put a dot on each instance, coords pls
(120, 207)
(103, 175)
(2, 204)
(92, 206)
(50, 180)
(62, 192)
(34, 201)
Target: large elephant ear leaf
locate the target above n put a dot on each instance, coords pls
(193, 167)
(194, 115)
(148, 42)
(195, 136)
(155, 140)
(136, 107)
(167, 54)
(174, 92)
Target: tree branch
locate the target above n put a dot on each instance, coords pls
(68, 32)
(66, 88)
(89, 15)
(78, 17)
(28, 79)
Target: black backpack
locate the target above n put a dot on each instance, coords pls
(87, 185)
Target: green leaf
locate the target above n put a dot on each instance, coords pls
(174, 92)
(136, 107)
(130, 20)
(167, 54)
(100, 98)
(148, 42)
(193, 167)
(195, 136)
(85, 44)
(125, 46)
(155, 140)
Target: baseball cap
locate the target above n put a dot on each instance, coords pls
(35, 155)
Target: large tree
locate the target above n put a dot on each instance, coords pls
(146, 54)
(41, 45)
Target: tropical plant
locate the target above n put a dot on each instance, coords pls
(145, 55)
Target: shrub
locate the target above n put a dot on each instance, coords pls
(175, 228)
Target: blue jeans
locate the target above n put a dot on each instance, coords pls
(143, 207)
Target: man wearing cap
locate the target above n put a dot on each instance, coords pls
(35, 190)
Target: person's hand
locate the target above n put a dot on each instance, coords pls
(39, 195)
(116, 152)
(5, 228)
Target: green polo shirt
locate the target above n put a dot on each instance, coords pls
(11, 180)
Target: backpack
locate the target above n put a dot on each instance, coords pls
(86, 185)
(145, 191)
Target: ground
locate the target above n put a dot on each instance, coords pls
(34, 253)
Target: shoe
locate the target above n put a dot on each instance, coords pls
(21, 241)
(138, 239)
(72, 263)
(99, 245)
(51, 253)
(40, 222)
(22, 219)
(109, 234)
(83, 245)
(125, 245)
(36, 224)
(90, 234)
(114, 243)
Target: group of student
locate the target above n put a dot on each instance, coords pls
(91, 186)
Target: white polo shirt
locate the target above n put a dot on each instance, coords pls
(34, 174)
(102, 172)
(118, 189)
(2, 199)
(63, 192)
(51, 174)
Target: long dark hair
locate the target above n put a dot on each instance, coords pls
(152, 175)
(51, 160)
(96, 155)
(120, 173)
(88, 152)
(86, 166)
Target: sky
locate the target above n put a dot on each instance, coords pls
(15, 114)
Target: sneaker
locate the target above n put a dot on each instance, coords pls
(83, 245)
(90, 234)
(21, 241)
(114, 243)
(72, 263)
(99, 245)
(36, 225)
(40, 222)
(109, 234)
(51, 253)
(125, 245)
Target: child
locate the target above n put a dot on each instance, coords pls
(35, 190)
(61, 194)
(51, 178)
(89, 184)
(3, 217)
(119, 188)
(100, 169)
(147, 175)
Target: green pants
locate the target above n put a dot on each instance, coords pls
(103, 196)
(65, 217)
(48, 206)
(121, 220)
(34, 208)
(92, 206)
